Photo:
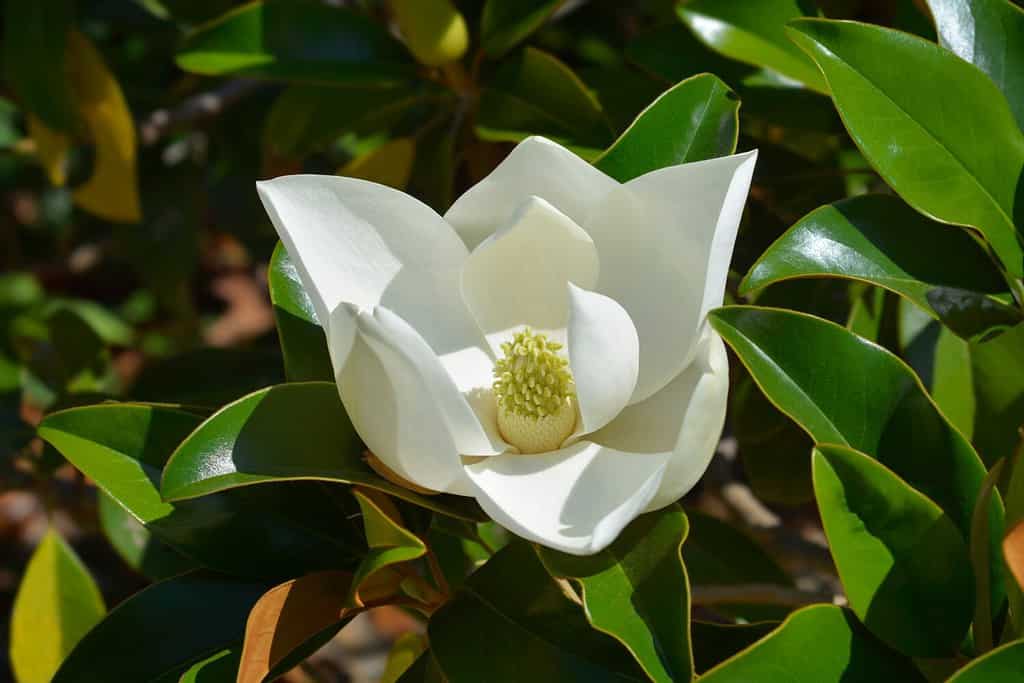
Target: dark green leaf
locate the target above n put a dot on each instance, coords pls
(990, 35)
(286, 432)
(1004, 664)
(715, 643)
(219, 668)
(536, 94)
(923, 140)
(302, 339)
(673, 54)
(505, 23)
(512, 621)
(163, 630)
(904, 565)
(259, 531)
(695, 120)
(142, 551)
(636, 590)
(855, 238)
(818, 644)
(295, 40)
(753, 31)
(208, 377)
(997, 366)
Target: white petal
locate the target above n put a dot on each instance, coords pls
(367, 244)
(604, 355)
(685, 418)
(576, 499)
(536, 167)
(664, 241)
(518, 275)
(406, 407)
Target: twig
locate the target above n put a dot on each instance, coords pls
(195, 108)
(758, 593)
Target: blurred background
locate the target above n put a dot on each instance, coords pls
(134, 250)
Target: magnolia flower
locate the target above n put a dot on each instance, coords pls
(543, 346)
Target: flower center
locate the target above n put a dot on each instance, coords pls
(535, 392)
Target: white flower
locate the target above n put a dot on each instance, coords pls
(625, 415)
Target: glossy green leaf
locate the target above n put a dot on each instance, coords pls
(990, 35)
(302, 339)
(261, 531)
(34, 58)
(137, 546)
(855, 238)
(718, 554)
(513, 621)
(845, 390)
(997, 366)
(753, 31)
(694, 120)
(818, 644)
(904, 565)
(923, 140)
(287, 432)
(295, 40)
(163, 630)
(389, 542)
(534, 93)
(56, 605)
(1004, 664)
(714, 643)
(636, 590)
(505, 23)
(219, 668)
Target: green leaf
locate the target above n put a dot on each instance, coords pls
(513, 621)
(845, 390)
(672, 53)
(281, 433)
(139, 548)
(163, 630)
(854, 238)
(226, 375)
(506, 23)
(56, 605)
(982, 629)
(295, 40)
(714, 643)
(307, 118)
(302, 339)
(34, 58)
(636, 590)
(997, 366)
(753, 31)
(1004, 664)
(219, 668)
(923, 140)
(261, 531)
(718, 554)
(694, 120)
(390, 543)
(990, 35)
(904, 565)
(534, 93)
(403, 655)
(817, 644)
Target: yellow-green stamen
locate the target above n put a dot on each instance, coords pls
(534, 390)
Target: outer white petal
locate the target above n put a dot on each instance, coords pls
(604, 355)
(518, 275)
(367, 244)
(576, 499)
(664, 241)
(406, 408)
(685, 418)
(536, 167)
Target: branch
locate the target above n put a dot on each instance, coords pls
(760, 594)
(195, 108)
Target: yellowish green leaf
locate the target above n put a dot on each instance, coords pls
(390, 164)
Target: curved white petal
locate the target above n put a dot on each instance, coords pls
(664, 241)
(406, 407)
(604, 355)
(536, 167)
(685, 418)
(518, 275)
(576, 499)
(367, 244)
